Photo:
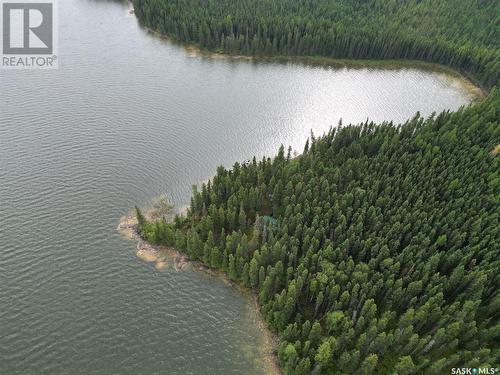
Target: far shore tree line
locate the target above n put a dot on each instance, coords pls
(463, 34)
(377, 249)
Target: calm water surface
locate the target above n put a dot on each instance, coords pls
(125, 118)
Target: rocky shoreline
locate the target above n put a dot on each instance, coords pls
(168, 257)
(162, 256)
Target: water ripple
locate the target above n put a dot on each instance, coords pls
(125, 118)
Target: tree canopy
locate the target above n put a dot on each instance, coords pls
(376, 250)
(463, 34)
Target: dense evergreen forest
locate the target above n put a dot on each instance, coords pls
(464, 34)
(376, 250)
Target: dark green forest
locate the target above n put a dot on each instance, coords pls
(463, 34)
(376, 250)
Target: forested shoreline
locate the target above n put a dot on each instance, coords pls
(462, 34)
(376, 250)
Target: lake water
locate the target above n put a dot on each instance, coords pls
(129, 116)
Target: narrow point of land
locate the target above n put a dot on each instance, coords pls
(375, 248)
(167, 257)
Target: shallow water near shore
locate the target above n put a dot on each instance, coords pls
(126, 117)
